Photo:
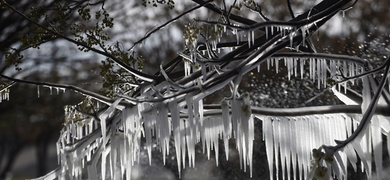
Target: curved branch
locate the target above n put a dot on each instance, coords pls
(290, 8)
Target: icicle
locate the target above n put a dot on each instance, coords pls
(266, 32)
(366, 94)
(288, 147)
(253, 37)
(187, 68)
(277, 65)
(345, 70)
(235, 31)
(226, 126)
(352, 72)
(275, 129)
(302, 67)
(319, 72)
(251, 137)
(183, 128)
(305, 144)
(357, 147)
(148, 116)
(249, 39)
(324, 72)
(175, 117)
(287, 61)
(333, 69)
(4, 94)
(376, 134)
(268, 62)
(162, 120)
(207, 137)
(283, 145)
(350, 152)
(190, 130)
(218, 123)
(103, 117)
(280, 28)
(293, 148)
(311, 68)
(303, 29)
(38, 91)
(295, 61)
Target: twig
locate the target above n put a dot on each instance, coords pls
(168, 22)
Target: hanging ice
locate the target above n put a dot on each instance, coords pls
(291, 139)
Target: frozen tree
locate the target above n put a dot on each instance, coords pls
(103, 135)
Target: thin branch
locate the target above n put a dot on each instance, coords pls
(96, 96)
(345, 79)
(168, 22)
(290, 8)
(230, 11)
